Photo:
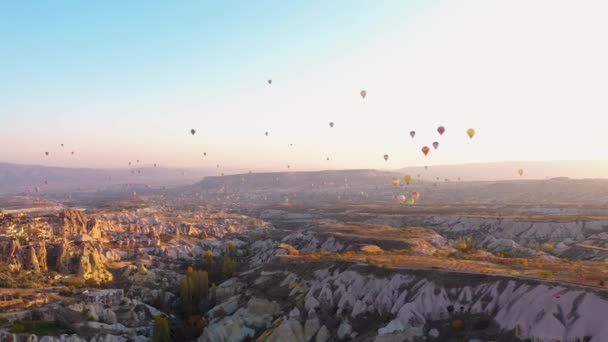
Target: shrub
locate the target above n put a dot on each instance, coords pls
(457, 324)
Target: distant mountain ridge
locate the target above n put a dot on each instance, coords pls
(16, 178)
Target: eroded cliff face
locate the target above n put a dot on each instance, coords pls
(566, 234)
(82, 259)
(532, 310)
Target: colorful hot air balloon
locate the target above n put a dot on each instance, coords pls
(435, 145)
(425, 150)
(401, 199)
(396, 182)
(407, 179)
(440, 129)
(363, 93)
(412, 134)
(521, 172)
(385, 157)
(331, 124)
(193, 131)
(470, 132)
(415, 195)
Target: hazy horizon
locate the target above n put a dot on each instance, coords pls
(117, 82)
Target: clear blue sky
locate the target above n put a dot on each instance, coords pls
(124, 80)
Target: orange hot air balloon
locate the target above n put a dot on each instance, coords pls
(425, 150)
(396, 182)
(441, 130)
(435, 145)
(470, 132)
(407, 179)
(363, 93)
(415, 195)
(412, 134)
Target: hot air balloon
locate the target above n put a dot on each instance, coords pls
(401, 199)
(154, 164)
(410, 201)
(363, 93)
(46, 182)
(407, 179)
(193, 131)
(266, 133)
(327, 158)
(385, 157)
(288, 166)
(269, 81)
(435, 145)
(521, 172)
(426, 167)
(440, 129)
(61, 145)
(425, 150)
(129, 163)
(415, 195)
(331, 124)
(412, 134)
(396, 182)
(72, 152)
(204, 154)
(470, 132)
(46, 153)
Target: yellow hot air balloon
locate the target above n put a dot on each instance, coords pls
(521, 172)
(470, 132)
(410, 201)
(407, 179)
(396, 182)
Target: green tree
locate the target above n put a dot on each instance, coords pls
(203, 284)
(228, 266)
(231, 249)
(160, 332)
(213, 294)
(209, 260)
(184, 291)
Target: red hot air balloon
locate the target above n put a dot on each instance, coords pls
(415, 195)
(425, 150)
(441, 129)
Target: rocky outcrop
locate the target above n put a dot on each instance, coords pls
(11, 255)
(531, 310)
(72, 222)
(84, 260)
(29, 259)
(94, 312)
(256, 316)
